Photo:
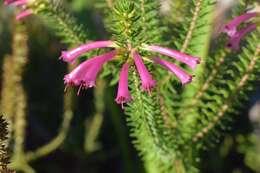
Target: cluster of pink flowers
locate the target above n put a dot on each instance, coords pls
(84, 75)
(235, 35)
(23, 6)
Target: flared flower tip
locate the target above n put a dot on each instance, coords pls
(234, 41)
(23, 14)
(147, 81)
(231, 28)
(123, 94)
(229, 31)
(123, 99)
(194, 62)
(148, 85)
(187, 79)
(70, 81)
(84, 75)
(184, 77)
(77, 79)
(66, 56)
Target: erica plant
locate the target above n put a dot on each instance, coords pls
(178, 87)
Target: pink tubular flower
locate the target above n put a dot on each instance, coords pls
(23, 4)
(123, 94)
(23, 14)
(19, 2)
(181, 74)
(187, 59)
(234, 41)
(71, 55)
(85, 74)
(7, 2)
(231, 28)
(147, 81)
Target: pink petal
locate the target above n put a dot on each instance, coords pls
(123, 94)
(147, 81)
(231, 28)
(181, 74)
(187, 59)
(234, 41)
(71, 55)
(24, 14)
(84, 75)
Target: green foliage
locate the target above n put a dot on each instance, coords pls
(125, 28)
(131, 20)
(63, 24)
(249, 146)
(235, 76)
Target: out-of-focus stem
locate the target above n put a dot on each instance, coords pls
(13, 69)
(59, 139)
(179, 166)
(17, 95)
(110, 3)
(19, 124)
(7, 103)
(93, 125)
(192, 25)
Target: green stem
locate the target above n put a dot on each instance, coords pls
(179, 166)
(192, 25)
(93, 125)
(59, 139)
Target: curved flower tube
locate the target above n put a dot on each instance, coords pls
(71, 55)
(234, 41)
(189, 60)
(147, 81)
(181, 74)
(231, 28)
(85, 74)
(123, 94)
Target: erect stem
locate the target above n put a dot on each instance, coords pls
(205, 86)
(18, 60)
(110, 3)
(179, 166)
(192, 25)
(93, 124)
(59, 139)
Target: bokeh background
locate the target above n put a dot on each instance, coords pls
(98, 140)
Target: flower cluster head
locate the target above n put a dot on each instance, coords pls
(235, 35)
(85, 74)
(22, 5)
